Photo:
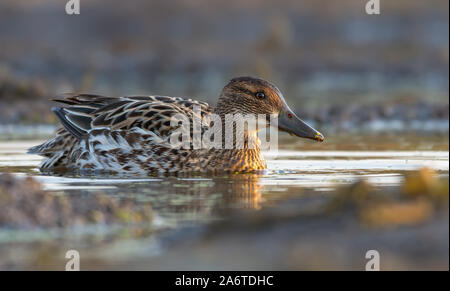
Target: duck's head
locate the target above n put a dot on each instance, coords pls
(250, 95)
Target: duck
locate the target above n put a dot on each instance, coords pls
(133, 134)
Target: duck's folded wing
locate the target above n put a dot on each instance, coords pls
(87, 112)
(77, 116)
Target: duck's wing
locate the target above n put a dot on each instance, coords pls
(88, 112)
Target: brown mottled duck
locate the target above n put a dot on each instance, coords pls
(132, 134)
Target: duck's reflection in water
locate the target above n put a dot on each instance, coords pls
(243, 191)
(198, 198)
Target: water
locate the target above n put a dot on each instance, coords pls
(300, 170)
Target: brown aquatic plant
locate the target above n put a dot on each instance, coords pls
(24, 204)
(417, 200)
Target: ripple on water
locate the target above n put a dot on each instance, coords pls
(300, 168)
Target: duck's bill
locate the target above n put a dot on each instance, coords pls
(292, 124)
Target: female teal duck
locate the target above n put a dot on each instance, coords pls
(132, 134)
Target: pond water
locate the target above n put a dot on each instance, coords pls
(300, 169)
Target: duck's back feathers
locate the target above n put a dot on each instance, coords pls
(153, 113)
(86, 113)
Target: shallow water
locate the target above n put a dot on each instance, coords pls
(298, 169)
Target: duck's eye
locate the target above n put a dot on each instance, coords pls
(260, 95)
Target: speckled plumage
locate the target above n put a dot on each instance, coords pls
(131, 134)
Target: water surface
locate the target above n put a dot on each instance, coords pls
(297, 171)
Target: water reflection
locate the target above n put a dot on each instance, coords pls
(243, 190)
(203, 198)
(179, 200)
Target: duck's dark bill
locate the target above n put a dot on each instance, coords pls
(289, 122)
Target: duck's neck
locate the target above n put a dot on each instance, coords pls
(235, 133)
(243, 152)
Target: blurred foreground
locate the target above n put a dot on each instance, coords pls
(407, 225)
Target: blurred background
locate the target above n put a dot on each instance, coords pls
(339, 67)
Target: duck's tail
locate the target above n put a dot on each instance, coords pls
(55, 150)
